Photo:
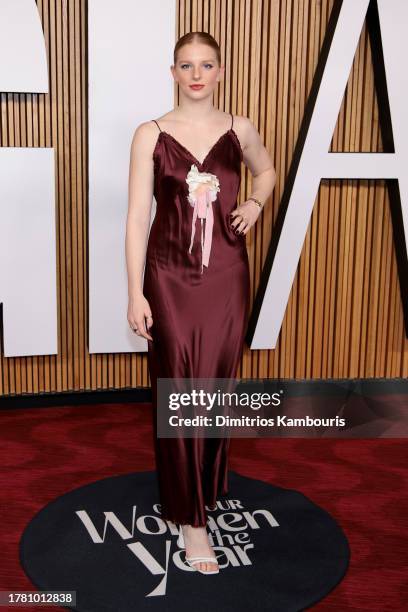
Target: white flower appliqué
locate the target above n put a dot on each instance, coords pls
(202, 191)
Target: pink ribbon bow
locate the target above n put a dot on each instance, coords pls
(202, 192)
(203, 210)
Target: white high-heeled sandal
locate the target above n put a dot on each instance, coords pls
(192, 561)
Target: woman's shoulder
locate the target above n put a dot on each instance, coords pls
(145, 137)
(243, 123)
(146, 128)
(243, 127)
(164, 120)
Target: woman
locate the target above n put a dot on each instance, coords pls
(193, 303)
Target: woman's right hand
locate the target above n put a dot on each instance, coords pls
(140, 316)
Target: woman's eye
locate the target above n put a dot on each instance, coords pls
(186, 65)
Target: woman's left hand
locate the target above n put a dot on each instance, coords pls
(244, 216)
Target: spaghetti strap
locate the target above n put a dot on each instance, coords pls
(232, 120)
(156, 124)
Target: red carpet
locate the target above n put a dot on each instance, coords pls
(362, 483)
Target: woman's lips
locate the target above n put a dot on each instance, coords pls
(196, 86)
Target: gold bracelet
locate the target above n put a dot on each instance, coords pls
(257, 202)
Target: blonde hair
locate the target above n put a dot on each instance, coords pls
(202, 37)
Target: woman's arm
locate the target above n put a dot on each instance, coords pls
(140, 198)
(259, 163)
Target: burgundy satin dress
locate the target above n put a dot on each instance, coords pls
(199, 310)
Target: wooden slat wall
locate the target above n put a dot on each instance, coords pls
(344, 317)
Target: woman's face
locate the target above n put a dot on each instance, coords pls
(197, 64)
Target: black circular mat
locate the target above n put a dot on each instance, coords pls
(277, 550)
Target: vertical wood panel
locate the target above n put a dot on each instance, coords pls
(344, 317)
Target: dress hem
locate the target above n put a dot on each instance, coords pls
(186, 521)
